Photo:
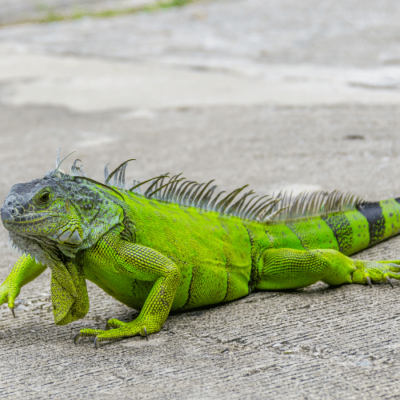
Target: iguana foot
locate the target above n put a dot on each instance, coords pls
(376, 271)
(122, 329)
(8, 293)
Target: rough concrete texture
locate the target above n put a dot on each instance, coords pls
(314, 343)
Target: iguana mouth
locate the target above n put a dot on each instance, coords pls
(11, 218)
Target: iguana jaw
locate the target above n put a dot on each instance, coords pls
(26, 224)
(11, 219)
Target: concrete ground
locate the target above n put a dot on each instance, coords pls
(279, 94)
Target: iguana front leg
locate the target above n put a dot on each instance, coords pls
(25, 270)
(290, 269)
(143, 264)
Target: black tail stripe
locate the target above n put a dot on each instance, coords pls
(341, 229)
(376, 221)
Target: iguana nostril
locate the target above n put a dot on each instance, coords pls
(6, 215)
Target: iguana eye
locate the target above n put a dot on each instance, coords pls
(45, 197)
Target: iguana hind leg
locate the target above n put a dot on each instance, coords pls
(290, 269)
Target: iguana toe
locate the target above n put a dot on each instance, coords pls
(121, 330)
(389, 281)
(76, 338)
(86, 333)
(114, 323)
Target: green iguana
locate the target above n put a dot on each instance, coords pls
(180, 246)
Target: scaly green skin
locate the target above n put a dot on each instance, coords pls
(156, 256)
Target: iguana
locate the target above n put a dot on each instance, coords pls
(179, 245)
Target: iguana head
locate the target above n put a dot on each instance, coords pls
(59, 213)
(52, 219)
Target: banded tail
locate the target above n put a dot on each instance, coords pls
(349, 232)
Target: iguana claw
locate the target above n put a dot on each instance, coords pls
(390, 282)
(96, 341)
(369, 281)
(76, 338)
(13, 312)
(145, 331)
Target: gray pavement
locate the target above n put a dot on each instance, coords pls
(276, 94)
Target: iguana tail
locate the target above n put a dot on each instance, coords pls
(349, 231)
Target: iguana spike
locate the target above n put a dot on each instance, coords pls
(176, 189)
(172, 191)
(182, 189)
(58, 162)
(137, 191)
(255, 214)
(224, 203)
(246, 207)
(106, 173)
(312, 202)
(247, 214)
(236, 207)
(117, 169)
(192, 198)
(303, 203)
(214, 202)
(273, 215)
(327, 200)
(153, 184)
(169, 187)
(166, 187)
(269, 213)
(159, 194)
(81, 170)
(148, 180)
(243, 204)
(204, 202)
(74, 168)
(232, 209)
(261, 209)
(121, 177)
(187, 194)
(155, 187)
(199, 197)
(155, 191)
(58, 157)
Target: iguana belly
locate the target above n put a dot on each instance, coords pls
(128, 291)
